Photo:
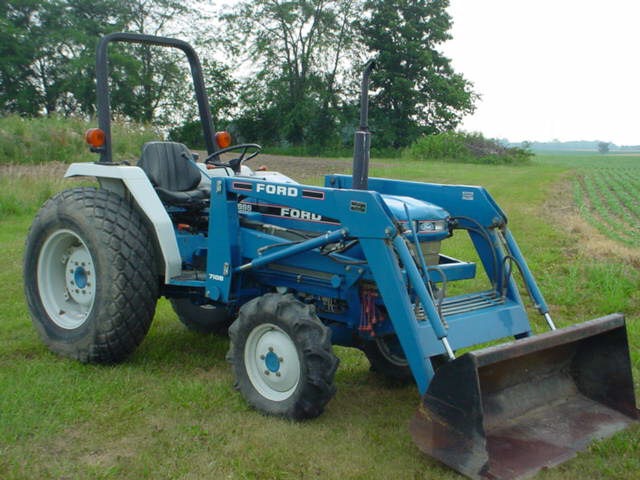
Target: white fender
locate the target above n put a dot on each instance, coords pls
(120, 178)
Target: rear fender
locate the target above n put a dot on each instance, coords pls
(122, 179)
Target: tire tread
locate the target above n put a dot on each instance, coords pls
(131, 282)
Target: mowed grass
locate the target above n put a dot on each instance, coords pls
(170, 410)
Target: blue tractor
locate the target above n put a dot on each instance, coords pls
(290, 270)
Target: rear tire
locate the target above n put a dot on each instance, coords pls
(89, 275)
(202, 318)
(387, 358)
(282, 357)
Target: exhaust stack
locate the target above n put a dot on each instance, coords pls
(362, 137)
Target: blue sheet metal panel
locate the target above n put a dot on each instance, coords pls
(224, 237)
(477, 327)
(458, 200)
(364, 212)
(190, 244)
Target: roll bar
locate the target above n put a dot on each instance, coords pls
(102, 86)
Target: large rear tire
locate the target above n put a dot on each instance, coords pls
(89, 275)
(282, 357)
(202, 318)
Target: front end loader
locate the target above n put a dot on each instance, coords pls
(288, 270)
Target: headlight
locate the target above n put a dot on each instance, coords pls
(431, 226)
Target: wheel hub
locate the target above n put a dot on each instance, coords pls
(272, 362)
(79, 268)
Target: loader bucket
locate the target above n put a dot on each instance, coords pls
(507, 411)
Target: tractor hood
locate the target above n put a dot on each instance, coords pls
(432, 219)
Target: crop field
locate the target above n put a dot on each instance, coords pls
(170, 411)
(606, 192)
(609, 198)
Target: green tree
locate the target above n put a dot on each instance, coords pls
(603, 147)
(153, 82)
(17, 91)
(298, 48)
(47, 48)
(222, 91)
(416, 89)
(70, 30)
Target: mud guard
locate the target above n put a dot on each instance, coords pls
(507, 411)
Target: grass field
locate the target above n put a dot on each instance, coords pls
(170, 411)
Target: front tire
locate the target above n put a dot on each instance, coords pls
(89, 275)
(282, 357)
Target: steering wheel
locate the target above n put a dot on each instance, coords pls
(253, 149)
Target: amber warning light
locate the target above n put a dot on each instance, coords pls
(223, 139)
(95, 137)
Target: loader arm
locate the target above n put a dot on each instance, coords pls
(362, 215)
(472, 207)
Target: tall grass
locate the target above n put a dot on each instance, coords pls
(45, 139)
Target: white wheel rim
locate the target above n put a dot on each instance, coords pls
(272, 362)
(66, 279)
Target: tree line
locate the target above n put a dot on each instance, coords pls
(283, 73)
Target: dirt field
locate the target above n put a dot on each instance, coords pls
(302, 169)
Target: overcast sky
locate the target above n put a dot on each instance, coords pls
(546, 69)
(549, 69)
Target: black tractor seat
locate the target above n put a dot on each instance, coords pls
(175, 176)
